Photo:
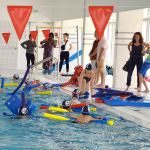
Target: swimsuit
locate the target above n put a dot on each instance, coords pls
(87, 79)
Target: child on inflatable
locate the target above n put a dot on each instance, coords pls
(142, 72)
(86, 79)
(84, 118)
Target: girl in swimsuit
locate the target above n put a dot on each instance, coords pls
(86, 79)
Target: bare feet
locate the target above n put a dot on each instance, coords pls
(96, 83)
(127, 89)
(146, 91)
(101, 85)
(138, 89)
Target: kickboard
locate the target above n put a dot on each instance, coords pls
(13, 104)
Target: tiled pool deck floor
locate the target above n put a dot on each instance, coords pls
(140, 115)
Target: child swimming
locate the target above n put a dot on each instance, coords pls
(66, 104)
(15, 77)
(142, 72)
(84, 118)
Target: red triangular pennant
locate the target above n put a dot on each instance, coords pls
(34, 34)
(100, 16)
(46, 33)
(19, 16)
(6, 37)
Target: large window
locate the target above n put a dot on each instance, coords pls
(146, 28)
(110, 35)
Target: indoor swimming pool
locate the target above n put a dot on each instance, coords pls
(37, 132)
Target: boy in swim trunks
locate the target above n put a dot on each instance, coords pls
(86, 79)
(142, 72)
(85, 118)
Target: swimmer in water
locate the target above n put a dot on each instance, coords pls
(75, 97)
(86, 79)
(66, 104)
(84, 118)
(15, 77)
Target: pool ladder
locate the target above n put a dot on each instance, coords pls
(42, 61)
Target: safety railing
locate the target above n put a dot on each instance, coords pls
(42, 61)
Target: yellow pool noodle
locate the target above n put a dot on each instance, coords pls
(93, 109)
(54, 117)
(58, 109)
(10, 84)
(45, 92)
(110, 122)
(68, 111)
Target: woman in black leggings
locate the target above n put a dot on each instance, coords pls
(136, 57)
(66, 46)
(29, 46)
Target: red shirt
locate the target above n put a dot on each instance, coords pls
(95, 44)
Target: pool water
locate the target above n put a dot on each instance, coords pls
(37, 132)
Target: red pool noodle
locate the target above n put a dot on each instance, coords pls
(79, 105)
(44, 107)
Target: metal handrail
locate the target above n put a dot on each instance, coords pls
(44, 60)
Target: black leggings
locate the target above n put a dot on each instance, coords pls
(30, 57)
(132, 63)
(64, 56)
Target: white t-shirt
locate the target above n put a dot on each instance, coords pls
(66, 47)
(103, 43)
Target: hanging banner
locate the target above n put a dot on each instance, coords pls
(6, 37)
(46, 33)
(34, 34)
(19, 16)
(100, 16)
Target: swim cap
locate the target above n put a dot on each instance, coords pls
(16, 76)
(88, 67)
(76, 93)
(23, 110)
(85, 110)
(66, 104)
(46, 85)
(30, 80)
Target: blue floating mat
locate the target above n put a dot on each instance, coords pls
(13, 104)
(138, 102)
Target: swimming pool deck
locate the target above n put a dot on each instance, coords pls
(140, 115)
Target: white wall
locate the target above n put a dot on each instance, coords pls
(44, 15)
(129, 23)
(8, 52)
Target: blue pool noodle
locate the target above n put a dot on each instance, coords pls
(23, 80)
(2, 83)
(23, 98)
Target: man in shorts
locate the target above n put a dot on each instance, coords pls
(93, 58)
(101, 59)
